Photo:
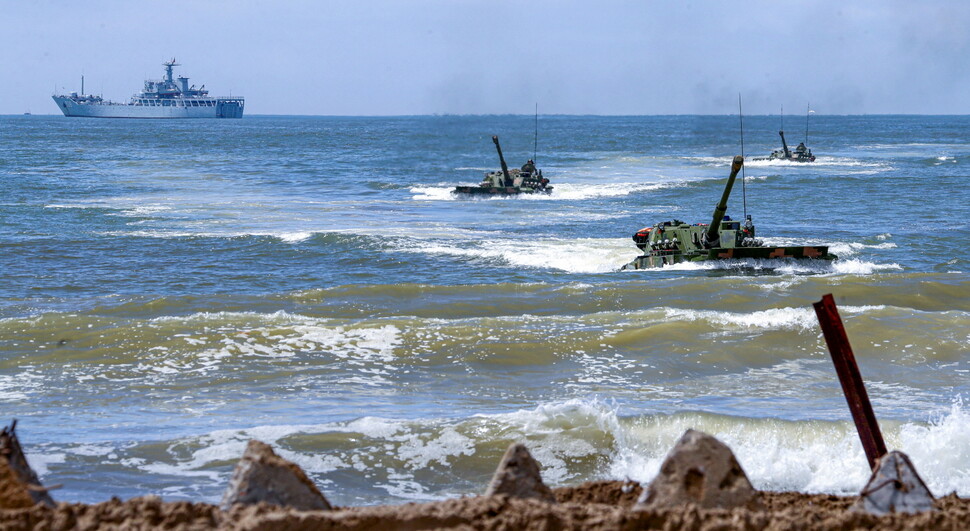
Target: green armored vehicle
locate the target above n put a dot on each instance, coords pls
(527, 180)
(672, 242)
(800, 153)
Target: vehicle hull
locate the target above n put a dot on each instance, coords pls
(662, 258)
(499, 190)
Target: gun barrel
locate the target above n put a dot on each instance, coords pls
(784, 145)
(505, 168)
(712, 238)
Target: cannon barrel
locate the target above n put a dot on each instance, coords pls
(784, 145)
(505, 168)
(712, 238)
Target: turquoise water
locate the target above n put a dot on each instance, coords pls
(170, 289)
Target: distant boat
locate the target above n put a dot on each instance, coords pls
(166, 98)
(27, 113)
(801, 153)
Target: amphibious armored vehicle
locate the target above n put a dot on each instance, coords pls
(800, 153)
(671, 242)
(527, 180)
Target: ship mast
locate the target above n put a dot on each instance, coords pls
(168, 70)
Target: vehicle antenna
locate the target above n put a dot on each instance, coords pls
(535, 145)
(807, 112)
(744, 197)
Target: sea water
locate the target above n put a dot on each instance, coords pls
(171, 289)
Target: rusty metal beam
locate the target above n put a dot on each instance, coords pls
(853, 387)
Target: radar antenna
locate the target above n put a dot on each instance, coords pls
(168, 69)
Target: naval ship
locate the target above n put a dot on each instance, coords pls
(166, 98)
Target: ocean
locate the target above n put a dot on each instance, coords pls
(171, 289)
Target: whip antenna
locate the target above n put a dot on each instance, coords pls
(807, 112)
(744, 196)
(535, 145)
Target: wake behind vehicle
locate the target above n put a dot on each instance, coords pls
(527, 180)
(672, 242)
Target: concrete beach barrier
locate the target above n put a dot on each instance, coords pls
(702, 471)
(518, 476)
(895, 487)
(19, 484)
(263, 476)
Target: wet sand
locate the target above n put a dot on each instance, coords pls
(591, 506)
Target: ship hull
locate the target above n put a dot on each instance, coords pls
(222, 108)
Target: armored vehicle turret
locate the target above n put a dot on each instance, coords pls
(525, 180)
(671, 242)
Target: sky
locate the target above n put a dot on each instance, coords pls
(405, 57)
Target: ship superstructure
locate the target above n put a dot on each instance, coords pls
(169, 97)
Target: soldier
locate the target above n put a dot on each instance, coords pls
(801, 148)
(529, 167)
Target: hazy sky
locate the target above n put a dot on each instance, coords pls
(386, 57)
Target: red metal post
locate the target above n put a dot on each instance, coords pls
(852, 385)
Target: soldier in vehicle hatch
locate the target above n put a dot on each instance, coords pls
(529, 167)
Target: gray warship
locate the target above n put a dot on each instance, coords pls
(166, 98)
(672, 242)
(527, 180)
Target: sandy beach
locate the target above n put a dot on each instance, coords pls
(590, 506)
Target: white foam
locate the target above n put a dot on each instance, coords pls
(804, 456)
(213, 339)
(418, 453)
(433, 193)
(40, 462)
(144, 210)
(560, 192)
(556, 433)
(843, 249)
(575, 191)
(859, 267)
(295, 237)
(819, 161)
(93, 450)
(797, 318)
(18, 387)
(807, 456)
(407, 489)
(783, 266)
(939, 450)
(586, 255)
